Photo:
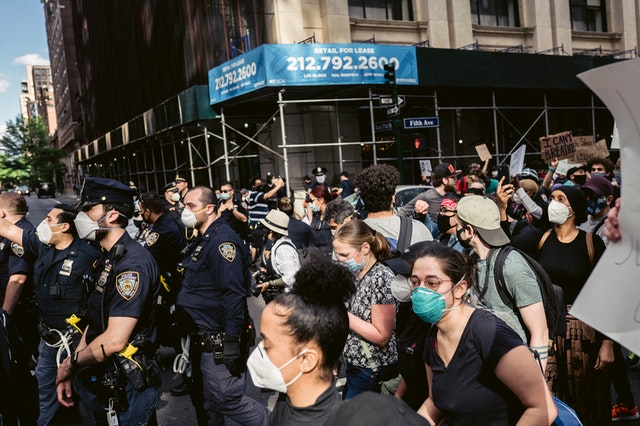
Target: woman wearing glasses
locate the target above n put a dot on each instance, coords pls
(479, 370)
(370, 352)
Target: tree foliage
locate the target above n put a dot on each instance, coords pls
(27, 157)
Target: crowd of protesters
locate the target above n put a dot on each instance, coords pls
(433, 312)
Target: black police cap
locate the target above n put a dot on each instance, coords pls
(169, 187)
(105, 191)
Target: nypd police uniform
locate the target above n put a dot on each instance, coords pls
(14, 261)
(60, 292)
(213, 299)
(126, 282)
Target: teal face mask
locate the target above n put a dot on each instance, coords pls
(429, 305)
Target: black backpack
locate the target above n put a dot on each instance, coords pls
(552, 295)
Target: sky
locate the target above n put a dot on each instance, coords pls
(23, 41)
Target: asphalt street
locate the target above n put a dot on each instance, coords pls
(174, 410)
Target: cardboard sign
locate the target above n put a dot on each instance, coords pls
(586, 149)
(483, 152)
(560, 146)
(610, 300)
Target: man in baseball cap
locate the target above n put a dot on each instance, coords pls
(599, 192)
(478, 227)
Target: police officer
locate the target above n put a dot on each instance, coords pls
(165, 240)
(16, 267)
(62, 260)
(116, 371)
(183, 187)
(213, 301)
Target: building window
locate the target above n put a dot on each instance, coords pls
(495, 13)
(384, 10)
(587, 15)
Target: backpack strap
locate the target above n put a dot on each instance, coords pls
(544, 238)
(599, 225)
(406, 229)
(498, 274)
(590, 248)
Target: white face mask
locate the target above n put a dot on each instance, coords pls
(558, 212)
(266, 375)
(44, 232)
(189, 218)
(175, 197)
(401, 289)
(86, 226)
(320, 179)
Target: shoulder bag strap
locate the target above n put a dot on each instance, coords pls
(590, 248)
(406, 229)
(544, 238)
(367, 352)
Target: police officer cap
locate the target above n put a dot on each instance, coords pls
(179, 179)
(105, 191)
(169, 187)
(319, 171)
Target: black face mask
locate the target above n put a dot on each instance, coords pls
(138, 223)
(580, 179)
(444, 223)
(464, 243)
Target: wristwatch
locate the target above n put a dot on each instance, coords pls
(74, 360)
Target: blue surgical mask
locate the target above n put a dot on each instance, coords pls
(314, 208)
(224, 196)
(429, 305)
(354, 267)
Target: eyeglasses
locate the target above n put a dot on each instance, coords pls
(225, 190)
(431, 282)
(313, 199)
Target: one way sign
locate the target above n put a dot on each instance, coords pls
(421, 122)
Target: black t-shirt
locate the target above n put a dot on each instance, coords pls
(568, 264)
(467, 391)
(286, 414)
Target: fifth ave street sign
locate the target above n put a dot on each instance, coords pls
(421, 122)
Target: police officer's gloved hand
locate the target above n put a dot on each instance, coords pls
(232, 357)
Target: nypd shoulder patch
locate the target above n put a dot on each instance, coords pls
(127, 284)
(17, 249)
(228, 250)
(152, 238)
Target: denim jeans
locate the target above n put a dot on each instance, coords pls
(361, 379)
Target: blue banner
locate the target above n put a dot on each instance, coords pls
(310, 65)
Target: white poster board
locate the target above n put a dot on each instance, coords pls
(425, 168)
(610, 300)
(517, 161)
(615, 137)
(563, 167)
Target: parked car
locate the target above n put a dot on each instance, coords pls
(406, 193)
(24, 190)
(46, 189)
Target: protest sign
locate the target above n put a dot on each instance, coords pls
(483, 152)
(610, 301)
(425, 168)
(517, 161)
(560, 145)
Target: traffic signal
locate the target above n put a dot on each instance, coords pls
(390, 74)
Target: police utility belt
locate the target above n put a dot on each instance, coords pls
(209, 342)
(136, 364)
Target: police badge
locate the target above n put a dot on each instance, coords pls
(152, 238)
(127, 284)
(228, 251)
(17, 249)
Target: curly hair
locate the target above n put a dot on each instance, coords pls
(377, 185)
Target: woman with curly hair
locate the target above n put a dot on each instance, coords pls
(303, 334)
(370, 352)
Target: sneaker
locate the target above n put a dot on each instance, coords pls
(621, 413)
